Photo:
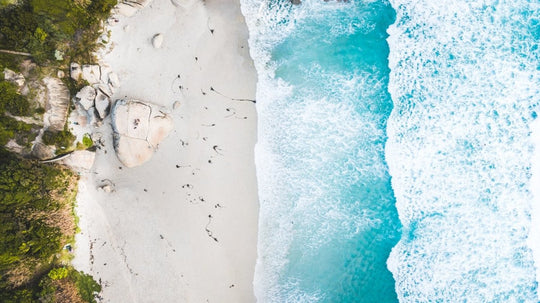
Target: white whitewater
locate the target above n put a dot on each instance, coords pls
(465, 85)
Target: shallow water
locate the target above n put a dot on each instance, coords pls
(327, 218)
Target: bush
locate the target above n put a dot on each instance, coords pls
(87, 141)
(63, 140)
(12, 101)
(58, 273)
(10, 128)
(86, 285)
(70, 286)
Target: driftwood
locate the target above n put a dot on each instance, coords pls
(15, 53)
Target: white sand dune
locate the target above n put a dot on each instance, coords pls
(182, 227)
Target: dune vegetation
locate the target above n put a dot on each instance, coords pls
(37, 219)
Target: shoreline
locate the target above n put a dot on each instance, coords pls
(182, 226)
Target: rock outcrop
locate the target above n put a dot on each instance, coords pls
(90, 101)
(114, 82)
(75, 71)
(102, 104)
(42, 151)
(138, 128)
(16, 78)
(89, 73)
(57, 104)
(86, 97)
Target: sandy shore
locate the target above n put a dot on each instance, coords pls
(183, 226)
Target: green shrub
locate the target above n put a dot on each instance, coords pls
(42, 27)
(63, 140)
(101, 8)
(87, 286)
(58, 273)
(12, 101)
(87, 141)
(10, 128)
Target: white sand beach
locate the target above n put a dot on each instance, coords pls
(181, 227)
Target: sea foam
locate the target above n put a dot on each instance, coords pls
(465, 84)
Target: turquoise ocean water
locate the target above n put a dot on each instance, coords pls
(395, 167)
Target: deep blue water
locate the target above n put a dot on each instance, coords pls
(356, 127)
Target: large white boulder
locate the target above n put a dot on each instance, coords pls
(86, 97)
(42, 151)
(113, 80)
(91, 73)
(102, 104)
(75, 71)
(138, 128)
(57, 103)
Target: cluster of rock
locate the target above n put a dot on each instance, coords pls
(138, 129)
(138, 126)
(93, 102)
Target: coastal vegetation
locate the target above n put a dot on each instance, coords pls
(37, 229)
(37, 221)
(62, 140)
(53, 32)
(11, 102)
